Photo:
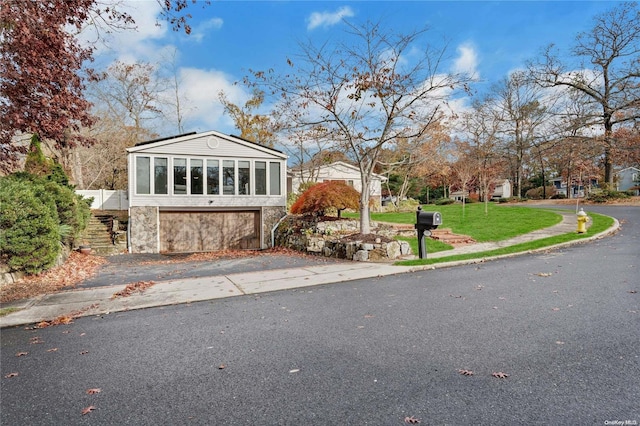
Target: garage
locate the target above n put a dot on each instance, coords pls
(193, 231)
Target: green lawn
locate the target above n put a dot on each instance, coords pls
(500, 223)
(599, 224)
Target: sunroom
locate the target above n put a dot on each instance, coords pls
(204, 192)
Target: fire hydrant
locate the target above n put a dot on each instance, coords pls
(582, 222)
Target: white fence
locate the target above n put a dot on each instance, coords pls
(104, 199)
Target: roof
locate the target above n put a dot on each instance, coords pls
(141, 146)
(334, 165)
(628, 168)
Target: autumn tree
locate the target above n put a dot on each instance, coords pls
(321, 197)
(370, 89)
(412, 160)
(41, 64)
(606, 69)
(253, 126)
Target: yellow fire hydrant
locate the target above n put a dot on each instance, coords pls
(582, 222)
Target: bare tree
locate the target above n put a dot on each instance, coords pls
(607, 71)
(365, 93)
(482, 126)
(523, 114)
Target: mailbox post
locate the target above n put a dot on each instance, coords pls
(425, 223)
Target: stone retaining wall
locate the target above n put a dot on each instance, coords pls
(340, 239)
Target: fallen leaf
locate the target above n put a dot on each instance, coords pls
(88, 410)
(411, 420)
(35, 340)
(22, 353)
(555, 309)
(78, 267)
(10, 375)
(500, 375)
(138, 287)
(93, 391)
(368, 316)
(222, 367)
(52, 350)
(84, 352)
(632, 291)
(466, 372)
(559, 342)
(544, 274)
(295, 370)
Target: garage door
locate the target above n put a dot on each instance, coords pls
(209, 231)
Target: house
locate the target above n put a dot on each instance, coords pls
(628, 179)
(502, 189)
(204, 192)
(337, 171)
(577, 188)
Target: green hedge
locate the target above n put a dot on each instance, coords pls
(37, 216)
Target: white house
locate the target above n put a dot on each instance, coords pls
(338, 171)
(204, 192)
(502, 189)
(628, 179)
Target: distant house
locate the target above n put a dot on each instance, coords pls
(338, 171)
(628, 179)
(576, 189)
(204, 192)
(502, 189)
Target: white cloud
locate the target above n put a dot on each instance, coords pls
(467, 61)
(200, 89)
(327, 19)
(201, 30)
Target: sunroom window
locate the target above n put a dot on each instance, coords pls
(143, 175)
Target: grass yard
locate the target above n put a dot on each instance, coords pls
(500, 223)
(599, 224)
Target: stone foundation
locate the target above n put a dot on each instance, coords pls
(144, 229)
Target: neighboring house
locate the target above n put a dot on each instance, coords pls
(502, 190)
(338, 171)
(204, 192)
(629, 179)
(576, 190)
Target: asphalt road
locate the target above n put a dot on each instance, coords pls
(563, 325)
(130, 268)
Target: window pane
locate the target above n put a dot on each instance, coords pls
(197, 186)
(213, 177)
(244, 177)
(160, 176)
(274, 179)
(261, 177)
(143, 173)
(179, 175)
(228, 177)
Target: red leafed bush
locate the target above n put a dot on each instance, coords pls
(323, 196)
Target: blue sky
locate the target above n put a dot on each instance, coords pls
(490, 38)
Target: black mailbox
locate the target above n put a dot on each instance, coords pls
(428, 220)
(425, 222)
